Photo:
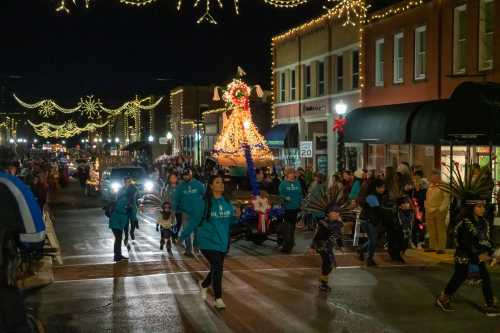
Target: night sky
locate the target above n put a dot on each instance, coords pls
(115, 51)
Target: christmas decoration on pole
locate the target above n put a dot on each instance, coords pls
(338, 127)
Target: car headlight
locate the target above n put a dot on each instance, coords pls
(115, 187)
(148, 186)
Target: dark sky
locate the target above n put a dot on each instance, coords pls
(115, 51)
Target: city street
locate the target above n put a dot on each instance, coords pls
(264, 290)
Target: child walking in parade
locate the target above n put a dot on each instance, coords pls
(166, 223)
(328, 236)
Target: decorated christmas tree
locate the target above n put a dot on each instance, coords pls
(240, 143)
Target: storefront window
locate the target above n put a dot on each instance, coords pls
(376, 157)
(423, 158)
(397, 154)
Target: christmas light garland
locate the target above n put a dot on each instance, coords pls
(89, 107)
(66, 130)
(350, 9)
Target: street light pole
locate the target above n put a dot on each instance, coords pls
(340, 110)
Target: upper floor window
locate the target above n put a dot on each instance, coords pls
(379, 62)
(282, 87)
(293, 85)
(398, 58)
(459, 39)
(486, 26)
(321, 78)
(307, 81)
(339, 69)
(355, 69)
(420, 52)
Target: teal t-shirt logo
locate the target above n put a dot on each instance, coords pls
(221, 212)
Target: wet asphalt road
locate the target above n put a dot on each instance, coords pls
(264, 291)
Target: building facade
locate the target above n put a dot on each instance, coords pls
(315, 66)
(421, 51)
(187, 103)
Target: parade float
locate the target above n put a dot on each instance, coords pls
(240, 145)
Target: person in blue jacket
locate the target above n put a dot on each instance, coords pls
(213, 234)
(119, 218)
(290, 192)
(188, 199)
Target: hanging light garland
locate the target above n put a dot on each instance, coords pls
(349, 9)
(90, 107)
(66, 130)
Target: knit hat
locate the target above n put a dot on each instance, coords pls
(333, 208)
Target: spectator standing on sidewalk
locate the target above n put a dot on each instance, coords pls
(188, 199)
(436, 212)
(372, 217)
(213, 234)
(291, 193)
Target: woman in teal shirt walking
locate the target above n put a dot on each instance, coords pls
(213, 236)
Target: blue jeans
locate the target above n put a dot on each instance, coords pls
(371, 244)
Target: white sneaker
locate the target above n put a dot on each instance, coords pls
(219, 304)
(203, 292)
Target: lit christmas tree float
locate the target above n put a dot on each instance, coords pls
(241, 145)
(239, 135)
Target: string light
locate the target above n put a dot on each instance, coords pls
(66, 130)
(89, 107)
(137, 3)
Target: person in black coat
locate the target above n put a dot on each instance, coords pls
(474, 249)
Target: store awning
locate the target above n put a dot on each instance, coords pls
(385, 124)
(475, 113)
(428, 125)
(276, 137)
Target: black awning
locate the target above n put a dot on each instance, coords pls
(428, 125)
(386, 124)
(474, 113)
(277, 136)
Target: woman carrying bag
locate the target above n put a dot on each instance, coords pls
(213, 236)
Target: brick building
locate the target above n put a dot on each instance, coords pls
(315, 66)
(429, 65)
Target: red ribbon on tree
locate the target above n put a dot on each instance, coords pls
(338, 125)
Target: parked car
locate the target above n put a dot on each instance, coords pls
(112, 181)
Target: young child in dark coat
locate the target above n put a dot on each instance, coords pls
(166, 222)
(327, 237)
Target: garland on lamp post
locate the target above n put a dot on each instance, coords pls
(338, 127)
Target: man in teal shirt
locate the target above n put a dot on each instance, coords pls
(188, 199)
(290, 192)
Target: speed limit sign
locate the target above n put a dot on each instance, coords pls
(306, 149)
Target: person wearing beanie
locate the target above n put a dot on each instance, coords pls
(327, 236)
(473, 247)
(188, 199)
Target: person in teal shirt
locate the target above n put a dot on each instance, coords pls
(119, 218)
(213, 233)
(188, 199)
(290, 192)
